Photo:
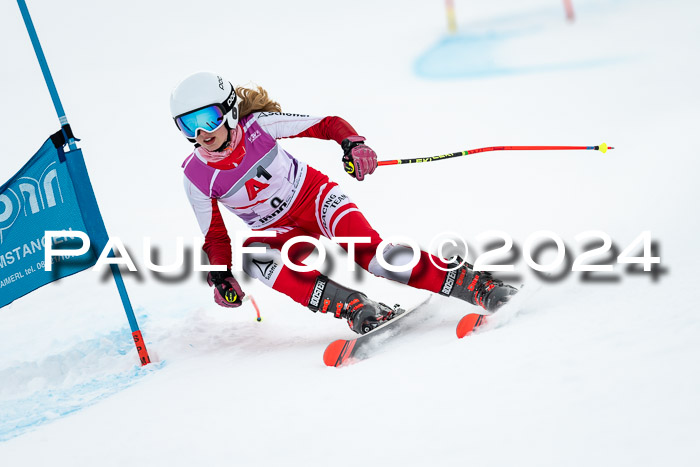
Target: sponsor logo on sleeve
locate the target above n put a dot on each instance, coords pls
(272, 114)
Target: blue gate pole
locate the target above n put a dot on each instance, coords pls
(45, 71)
(68, 134)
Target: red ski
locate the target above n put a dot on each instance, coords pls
(343, 352)
(469, 323)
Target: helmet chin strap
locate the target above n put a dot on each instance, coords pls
(228, 139)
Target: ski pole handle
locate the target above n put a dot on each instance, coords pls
(228, 293)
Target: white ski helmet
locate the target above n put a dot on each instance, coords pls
(203, 100)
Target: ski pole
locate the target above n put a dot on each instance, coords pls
(255, 304)
(602, 148)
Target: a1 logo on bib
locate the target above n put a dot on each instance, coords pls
(253, 186)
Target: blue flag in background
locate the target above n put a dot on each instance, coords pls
(44, 195)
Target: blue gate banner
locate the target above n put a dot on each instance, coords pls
(51, 192)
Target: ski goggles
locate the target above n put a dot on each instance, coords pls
(207, 118)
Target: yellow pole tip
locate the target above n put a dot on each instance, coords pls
(603, 148)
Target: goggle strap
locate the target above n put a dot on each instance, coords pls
(230, 101)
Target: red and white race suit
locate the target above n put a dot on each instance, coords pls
(272, 191)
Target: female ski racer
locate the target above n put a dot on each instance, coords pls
(238, 164)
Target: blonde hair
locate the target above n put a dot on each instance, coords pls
(255, 100)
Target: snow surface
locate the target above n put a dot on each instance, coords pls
(576, 373)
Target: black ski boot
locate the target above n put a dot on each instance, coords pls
(479, 288)
(362, 314)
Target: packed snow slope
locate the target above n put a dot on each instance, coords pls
(577, 372)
